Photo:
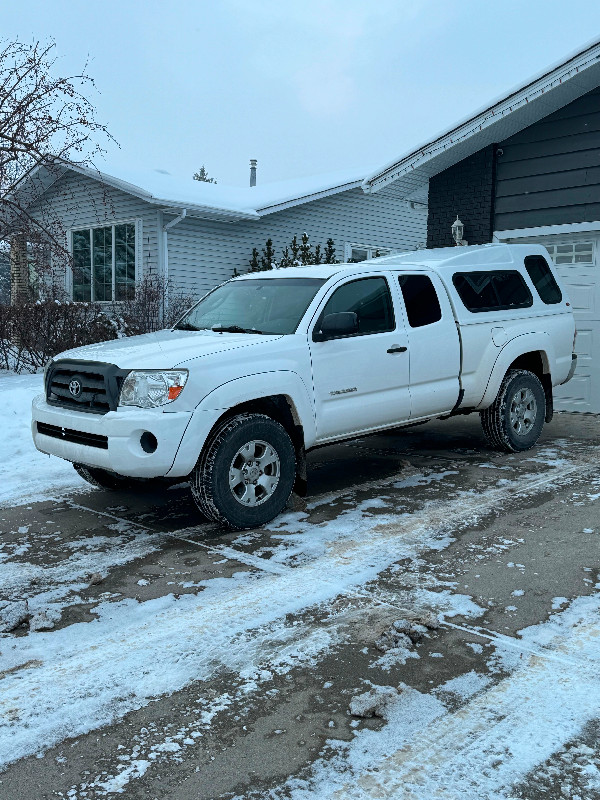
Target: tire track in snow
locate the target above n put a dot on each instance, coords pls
(92, 674)
(489, 744)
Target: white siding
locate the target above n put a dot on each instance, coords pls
(80, 202)
(204, 253)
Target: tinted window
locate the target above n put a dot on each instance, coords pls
(543, 280)
(420, 299)
(492, 291)
(370, 299)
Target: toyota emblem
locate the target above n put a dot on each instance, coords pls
(75, 388)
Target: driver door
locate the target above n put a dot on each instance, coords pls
(361, 380)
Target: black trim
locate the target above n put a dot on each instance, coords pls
(70, 435)
(101, 385)
(317, 336)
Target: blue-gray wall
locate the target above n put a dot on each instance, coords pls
(549, 173)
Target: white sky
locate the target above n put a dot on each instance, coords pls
(304, 86)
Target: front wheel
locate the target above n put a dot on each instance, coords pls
(515, 419)
(246, 473)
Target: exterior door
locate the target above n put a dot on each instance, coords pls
(360, 381)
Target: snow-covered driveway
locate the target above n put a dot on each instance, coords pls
(188, 662)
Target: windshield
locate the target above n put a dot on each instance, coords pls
(269, 305)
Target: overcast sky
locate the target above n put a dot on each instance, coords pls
(304, 86)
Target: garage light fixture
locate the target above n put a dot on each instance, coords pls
(457, 232)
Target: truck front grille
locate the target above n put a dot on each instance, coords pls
(84, 385)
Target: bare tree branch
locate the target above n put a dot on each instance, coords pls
(45, 119)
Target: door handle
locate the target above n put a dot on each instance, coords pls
(395, 348)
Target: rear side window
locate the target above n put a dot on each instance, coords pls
(370, 299)
(543, 279)
(420, 299)
(500, 290)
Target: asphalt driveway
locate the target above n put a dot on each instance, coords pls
(424, 624)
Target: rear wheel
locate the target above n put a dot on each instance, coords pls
(246, 472)
(515, 419)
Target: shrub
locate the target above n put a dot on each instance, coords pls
(155, 306)
(296, 254)
(31, 333)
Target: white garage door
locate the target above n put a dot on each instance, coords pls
(576, 261)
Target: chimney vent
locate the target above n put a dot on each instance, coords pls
(252, 172)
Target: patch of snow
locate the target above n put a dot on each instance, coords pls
(475, 647)
(28, 475)
(466, 685)
(424, 480)
(374, 702)
(428, 752)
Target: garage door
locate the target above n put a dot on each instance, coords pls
(576, 262)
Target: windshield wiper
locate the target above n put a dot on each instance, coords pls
(233, 329)
(186, 326)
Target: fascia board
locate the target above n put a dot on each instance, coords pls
(309, 198)
(569, 81)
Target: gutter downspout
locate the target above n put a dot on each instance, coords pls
(166, 227)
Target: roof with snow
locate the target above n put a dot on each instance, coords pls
(524, 105)
(200, 199)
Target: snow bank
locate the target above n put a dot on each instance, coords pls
(27, 474)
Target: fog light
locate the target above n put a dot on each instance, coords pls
(148, 442)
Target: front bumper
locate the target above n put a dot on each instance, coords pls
(572, 370)
(113, 440)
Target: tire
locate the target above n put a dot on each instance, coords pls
(515, 419)
(104, 479)
(246, 472)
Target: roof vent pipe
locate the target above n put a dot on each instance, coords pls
(252, 172)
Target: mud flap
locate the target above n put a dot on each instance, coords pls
(547, 384)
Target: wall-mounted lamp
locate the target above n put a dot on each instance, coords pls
(457, 232)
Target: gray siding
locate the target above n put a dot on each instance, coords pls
(204, 253)
(75, 201)
(549, 173)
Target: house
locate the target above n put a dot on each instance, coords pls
(197, 234)
(526, 168)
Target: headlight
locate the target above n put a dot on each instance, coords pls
(152, 388)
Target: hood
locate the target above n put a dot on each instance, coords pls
(163, 349)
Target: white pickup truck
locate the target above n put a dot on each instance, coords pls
(272, 364)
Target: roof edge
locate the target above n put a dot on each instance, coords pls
(308, 198)
(486, 116)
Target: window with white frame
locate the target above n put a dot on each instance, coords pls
(363, 252)
(104, 262)
(571, 253)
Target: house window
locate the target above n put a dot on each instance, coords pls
(572, 253)
(104, 263)
(363, 252)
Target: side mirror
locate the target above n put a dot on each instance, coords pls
(342, 323)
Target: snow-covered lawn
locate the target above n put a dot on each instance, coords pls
(27, 474)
